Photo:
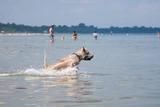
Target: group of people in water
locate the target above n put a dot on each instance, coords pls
(74, 35)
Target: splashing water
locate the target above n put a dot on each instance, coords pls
(41, 72)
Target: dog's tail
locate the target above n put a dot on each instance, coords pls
(45, 60)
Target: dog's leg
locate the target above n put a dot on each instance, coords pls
(45, 60)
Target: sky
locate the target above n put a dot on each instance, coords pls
(100, 13)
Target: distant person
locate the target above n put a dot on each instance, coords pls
(62, 38)
(51, 33)
(158, 34)
(95, 35)
(75, 36)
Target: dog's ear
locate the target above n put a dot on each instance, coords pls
(84, 49)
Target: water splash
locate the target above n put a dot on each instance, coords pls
(41, 72)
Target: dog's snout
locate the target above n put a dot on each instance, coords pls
(92, 57)
(88, 57)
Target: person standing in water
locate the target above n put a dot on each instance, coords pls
(158, 34)
(95, 35)
(51, 33)
(75, 36)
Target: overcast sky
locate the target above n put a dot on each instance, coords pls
(100, 13)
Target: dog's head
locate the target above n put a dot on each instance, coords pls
(85, 54)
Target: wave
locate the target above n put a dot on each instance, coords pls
(41, 72)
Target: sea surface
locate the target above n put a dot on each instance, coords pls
(125, 71)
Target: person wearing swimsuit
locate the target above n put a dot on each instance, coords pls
(95, 35)
(75, 36)
(51, 33)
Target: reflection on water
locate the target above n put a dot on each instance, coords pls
(47, 90)
(60, 90)
(75, 89)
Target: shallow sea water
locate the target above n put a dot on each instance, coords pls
(125, 71)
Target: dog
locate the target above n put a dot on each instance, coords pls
(71, 60)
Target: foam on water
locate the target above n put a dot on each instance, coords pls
(41, 72)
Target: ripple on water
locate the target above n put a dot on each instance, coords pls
(77, 101)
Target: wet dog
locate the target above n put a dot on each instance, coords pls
(71, 60)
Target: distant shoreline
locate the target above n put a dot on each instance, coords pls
(81, 28)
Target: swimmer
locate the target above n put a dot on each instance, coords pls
(75, 36)
(95, 35)
(62, 38)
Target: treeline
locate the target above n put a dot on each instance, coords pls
(81, 28)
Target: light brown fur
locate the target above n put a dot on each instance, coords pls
(71, 60)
